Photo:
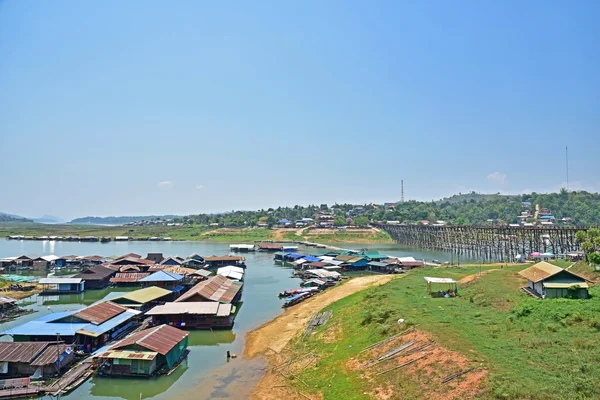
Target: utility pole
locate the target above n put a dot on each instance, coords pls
(567, 162)
(402, 191)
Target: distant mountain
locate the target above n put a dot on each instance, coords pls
(4, 217)
(48, 219)
(118, 220)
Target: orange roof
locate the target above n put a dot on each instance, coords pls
(161, 339)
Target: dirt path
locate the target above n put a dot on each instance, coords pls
(471, 278)
(275, 335)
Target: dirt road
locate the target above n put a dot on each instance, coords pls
(275, 334)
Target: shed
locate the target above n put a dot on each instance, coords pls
(96, 277)
(218, 288)
(146, 352)
(142, 299)
(56, 285)
(38, 359)
(546, 280)
(194, 315)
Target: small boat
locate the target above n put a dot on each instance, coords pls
(294, 292)
(299, 298)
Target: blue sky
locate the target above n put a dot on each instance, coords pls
(121, 108)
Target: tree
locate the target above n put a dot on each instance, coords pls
(581, 236)
(361, 221)
(594, 258)
(588, 247)
(339, 221)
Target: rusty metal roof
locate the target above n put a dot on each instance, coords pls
(123, 277)
(540, 271)
(100, 313)
(161, 339)
(50, 355)
(21, 351)
(132, 355)
(218, 288)
(224, 258)
(199, 308)
(96, 272)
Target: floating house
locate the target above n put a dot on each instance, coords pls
(218, 288)
(155, 257)
(549, 281)
(128, 278)
(34, 359)
(163, 279)
(55, 285)
(231, 272)
(171, 261)
(145, 353)
(373, 255)
(242, 248)
(194, 261)
(96, 277)
(200, 274)
(90, 328)
(7, 303)
(194, 315)
(322, 274)
(143, 299)
(221, 261)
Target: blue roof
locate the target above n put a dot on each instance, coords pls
(44, 326)
(284, 221)
(312, 258)
(294, 255)
(162, 276)
(526, 203)
(547, 217)
(297, 296)
(178, 289)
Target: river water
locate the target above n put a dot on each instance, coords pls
(206, 372)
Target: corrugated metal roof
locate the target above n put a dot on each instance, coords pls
(162, 276)
(21, 351)
(224, 258)
(100, 313)
(7, 300)
(160, 339)
(96, 272)
(179, 270)
(202, 272)
(540, 271)
(142, 296)
(377, 264)
(97, 330)
(128, 277)
(58, 281)
(50, 355)
(217, 288)
(128, 354)
(200, 308)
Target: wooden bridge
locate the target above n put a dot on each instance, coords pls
(489, 243)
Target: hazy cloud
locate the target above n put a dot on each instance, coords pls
(164, 183)
(497, 177)
(199, 187)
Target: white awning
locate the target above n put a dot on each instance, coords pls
(439, 280)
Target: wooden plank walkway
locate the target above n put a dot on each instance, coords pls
(70, 380)
(20, 392)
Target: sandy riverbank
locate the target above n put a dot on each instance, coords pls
(271, 338)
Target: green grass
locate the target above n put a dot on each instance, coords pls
(534, 349)
(562, 263)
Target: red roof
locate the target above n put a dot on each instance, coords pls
(129, 277)
(100, 313)
(161, 339)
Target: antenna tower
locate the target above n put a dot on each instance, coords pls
(402, 190)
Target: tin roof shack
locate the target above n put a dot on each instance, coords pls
(172, 261)
(143, 299)
(194, 261)
(37, 359)
(90, 327)
(155, 257)
(231, 272)
(374, 255)
(96, 277)
(216, 261)
(61, 285)
(549, 281)
(357, 263)
(8, 304)
(449, 285)
(164, 279)
(128, 278)
(194, 315)
(148, 352)
(218, 288)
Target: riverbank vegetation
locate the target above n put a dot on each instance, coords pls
(519, 347)
(199, 232)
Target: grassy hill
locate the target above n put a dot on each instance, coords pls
(518, 347)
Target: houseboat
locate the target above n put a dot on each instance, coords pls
(194, 315)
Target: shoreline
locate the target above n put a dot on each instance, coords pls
(269, 341)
